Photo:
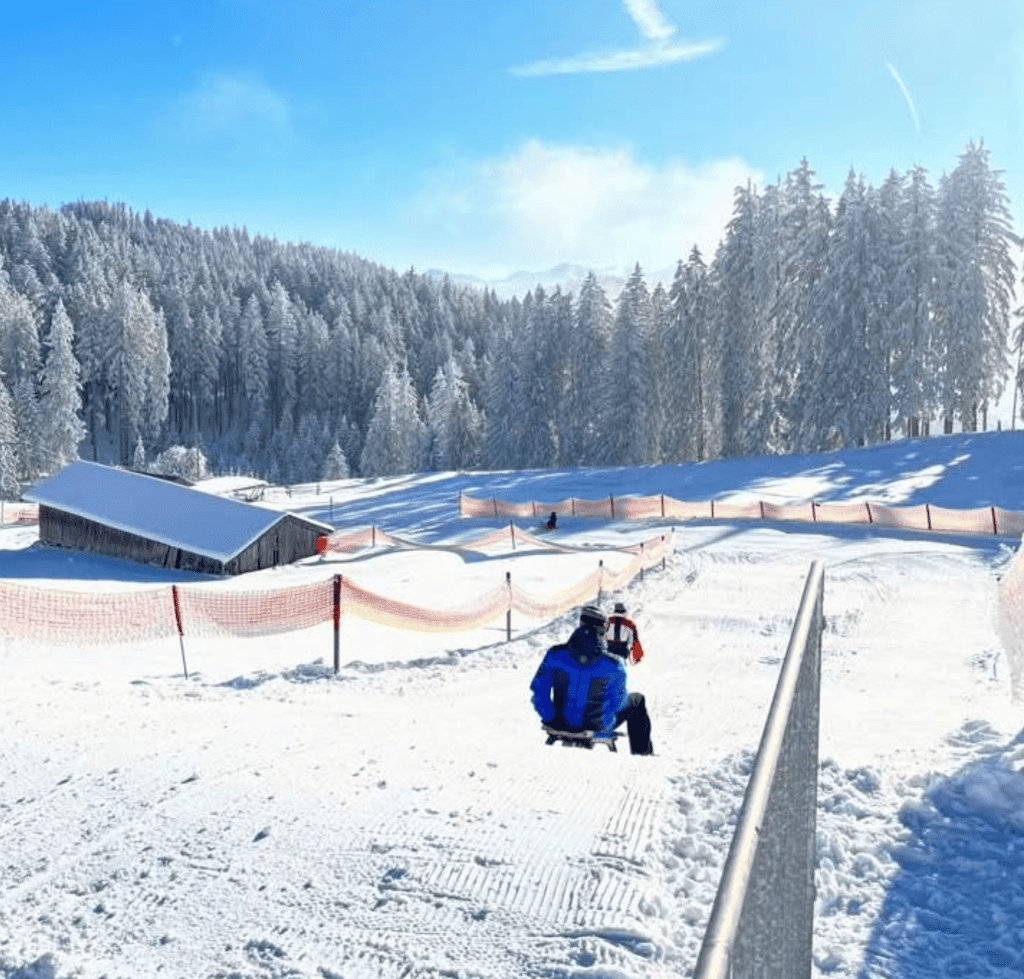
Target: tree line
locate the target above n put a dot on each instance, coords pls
(817, 324)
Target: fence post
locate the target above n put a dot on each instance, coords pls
(928, 514)
(181, 631)
(337, 623)
(600, 577)
(512, 531)
(641, 560)
(867, 506)
(814, 511)
(572, 503)
(373, 535)
(533, 503)
(762, 508)
(663, 551)
(508, 614)
(712, 509)
(995, 526)
(612, 500)
(494, 500)
(662, 506)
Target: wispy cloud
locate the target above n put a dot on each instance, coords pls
(660, 49)
(546, 203)
(232, 105)
(903, 88)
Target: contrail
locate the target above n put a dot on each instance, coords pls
(903, 88)
(660, 49)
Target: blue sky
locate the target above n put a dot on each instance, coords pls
(486, 136)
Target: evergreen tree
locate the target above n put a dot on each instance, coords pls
(395, 437)
(627, 417)
(60, 392)
(804, 235)
(10, 486)
(914, 366)
(735, 318)
(255, 367)
(32, 450)
(335, 465)
(139, 457)
(851, 400)
(974, 286)
(587, 349)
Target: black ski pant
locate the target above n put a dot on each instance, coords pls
(638, 724)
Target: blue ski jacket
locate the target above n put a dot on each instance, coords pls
(579, 686)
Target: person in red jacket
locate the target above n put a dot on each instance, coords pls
(623, 637)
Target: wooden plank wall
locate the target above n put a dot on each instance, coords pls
(61, 529)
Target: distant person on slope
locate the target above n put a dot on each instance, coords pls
(552, 523)
(580, 686)
(623, 636)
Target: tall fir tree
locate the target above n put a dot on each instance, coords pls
(60, 393)
(974, 286)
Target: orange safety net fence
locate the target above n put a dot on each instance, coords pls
(64, 617)
(925, 517)
(208, 612)
(18, 513)
(371, 607)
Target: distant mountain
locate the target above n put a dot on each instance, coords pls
(568, 276)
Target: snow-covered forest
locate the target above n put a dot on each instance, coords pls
(817, 324)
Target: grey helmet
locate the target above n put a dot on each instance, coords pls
(593, 617)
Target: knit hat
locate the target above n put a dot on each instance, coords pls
(620, 608)
(592, 616)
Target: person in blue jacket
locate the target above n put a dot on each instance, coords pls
(580, 686)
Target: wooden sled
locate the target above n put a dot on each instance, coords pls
(581, 739)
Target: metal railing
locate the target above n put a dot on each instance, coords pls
(762, 921)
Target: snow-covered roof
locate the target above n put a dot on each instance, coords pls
(178, 516)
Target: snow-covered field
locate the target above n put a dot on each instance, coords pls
(404, 818)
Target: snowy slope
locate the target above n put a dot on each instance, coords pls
(404, 818)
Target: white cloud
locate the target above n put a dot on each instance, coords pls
(648, 17)
(906, 95)
(543, 204)
(232, 105)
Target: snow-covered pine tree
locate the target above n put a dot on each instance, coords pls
(60, 392)
(735, 318)
(139, 456)
(503, 379)
(974, 287)
(281, 337)
(700, 353)
(438, 415)
(10, 485)
(763, 426)
(537, 396)
(255, 368)
(19, 335)
(911, 279)
(851, 400)
(655, 343)
(586, 351)
(806, 223)
(626, 413)
(31, 451)
(463, 424)
(395, 436)
(335, 465)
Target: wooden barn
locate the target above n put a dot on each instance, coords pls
(102, 510)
